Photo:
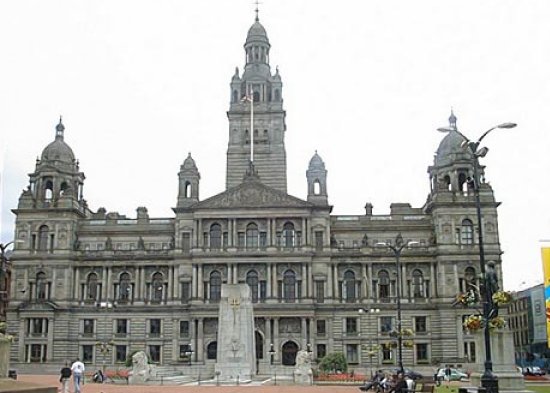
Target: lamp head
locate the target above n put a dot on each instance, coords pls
(507, 125)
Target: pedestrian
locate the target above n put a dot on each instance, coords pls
(400, 385)
(448, 374)
(65, 376)
(78, 373)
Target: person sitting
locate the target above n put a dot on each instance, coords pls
(98, 377)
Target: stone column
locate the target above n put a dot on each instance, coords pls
(107, 283)
(329, 281)
(170, 288)
(200, 234)
(369, 285)
(269, 243)
(304, 232)
(304, 333)
(200, 341)
(235, 273)
(229, 273)
(268, 284)
(310, 280)
(195, 283)
(200, 284)
(49, 353)
(76, 284)
(304, 282)
(276, 339)
(364, 293)
(274, 287)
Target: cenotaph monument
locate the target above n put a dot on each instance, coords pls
(236, 348)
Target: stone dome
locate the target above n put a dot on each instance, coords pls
(58, 150)
(451, 148)
(316, 162)
(257, 33)
(189, 163)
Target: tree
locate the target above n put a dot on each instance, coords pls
(334, 362)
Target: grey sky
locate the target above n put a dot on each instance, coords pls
(366, 84)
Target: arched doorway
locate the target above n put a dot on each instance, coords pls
(212, 350)
(290, 349)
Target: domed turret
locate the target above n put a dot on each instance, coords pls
(317, 181)
(189, 178)
(58, 150)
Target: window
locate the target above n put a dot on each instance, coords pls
(154, 327)
(263, 240)
(383, 285)
(92, 287)
(351, 326)
(386, 324)
(154, 353)
(467, 232)
(37, 327)
(288, 235)
(320, 291)
(125, 288)
(421, 352)
(212, 350)
(469, 281)
(348, 286)
(87, 353)
(417, 284)
(43, 236)
(158, 287)
(88, 327)
(215, 286)
(36, 353)
(318, 240)
(121, 327)
(184, 328)
(252, 281)
(215, 236)
(321, 350)
(387, 353)
(289, 286)
(321, 327)
(420, 325)
(186, 242)
(351, 353)
(240, 239)
(185, 351)
(41, 286)
(185, 291)
(470, 351)
(120, 353)
(252, 236)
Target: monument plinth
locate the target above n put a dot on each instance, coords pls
(236, 336)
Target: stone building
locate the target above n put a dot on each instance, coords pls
(99, 285)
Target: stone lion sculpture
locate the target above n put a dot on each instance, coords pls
(140, 368)
(303, 372)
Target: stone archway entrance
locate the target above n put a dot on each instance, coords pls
(289, 351)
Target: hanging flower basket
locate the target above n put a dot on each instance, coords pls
(466, 299)
(473, 322)
(497, 323)
(407, 332)
(502, 297)
(408, 343)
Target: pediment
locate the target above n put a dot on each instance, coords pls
(252, 194)
(37, 306)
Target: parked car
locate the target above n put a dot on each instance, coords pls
(456, 374)
(414, 375)
(533, 370)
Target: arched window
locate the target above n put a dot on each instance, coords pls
(348, 286)
(467, 232)
(215, 236)
(383, 285)
(48, 191)
(462, 182)
(41, 286)
(187, 189)
(316, 187)
(212, 350)
(417, 283)
(63, 188)
(289, 351)
(252, 236)
(43, 235)
(215, 286)
(289, 286)
(447, 180)
(259, 345)
(124, 289)
(252, 281)
(158, 287)
(92, 286)
(288, 235)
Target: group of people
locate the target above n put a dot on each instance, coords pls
(76, 370)
(386, 383)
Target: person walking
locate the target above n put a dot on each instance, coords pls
(78, 373)
(448, 373)
(65, 376)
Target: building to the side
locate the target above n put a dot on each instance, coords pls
(528, 325)
(86, 280)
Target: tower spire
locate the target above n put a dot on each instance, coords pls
(257, 10)
(59, 128)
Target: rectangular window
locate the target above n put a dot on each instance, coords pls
(224, 239)
(240, 240)
(154, 327)
(120, 354)
(263, 240)
(318, 240)
(87, 353)
(420, 325)
(387, 353)
(185, 352)
(185, 291)
(321, 327)
(121, 327)
(470, 351)
(386, 324)
(352, 353)
(186, 242)
(421, 352)
(321, 350)
(263, 291)
(154, 353)
(184, 328)
(320, 291)
(88, 327)
(37, 353)
(351, 326)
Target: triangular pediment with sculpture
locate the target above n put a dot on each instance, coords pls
(252, 194)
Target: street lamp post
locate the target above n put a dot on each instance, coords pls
(371, 349)
(272, 355)
(397, 248)
(488, 380)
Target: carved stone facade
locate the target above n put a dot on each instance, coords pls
(81, 277)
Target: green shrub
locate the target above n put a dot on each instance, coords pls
(333, 363)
